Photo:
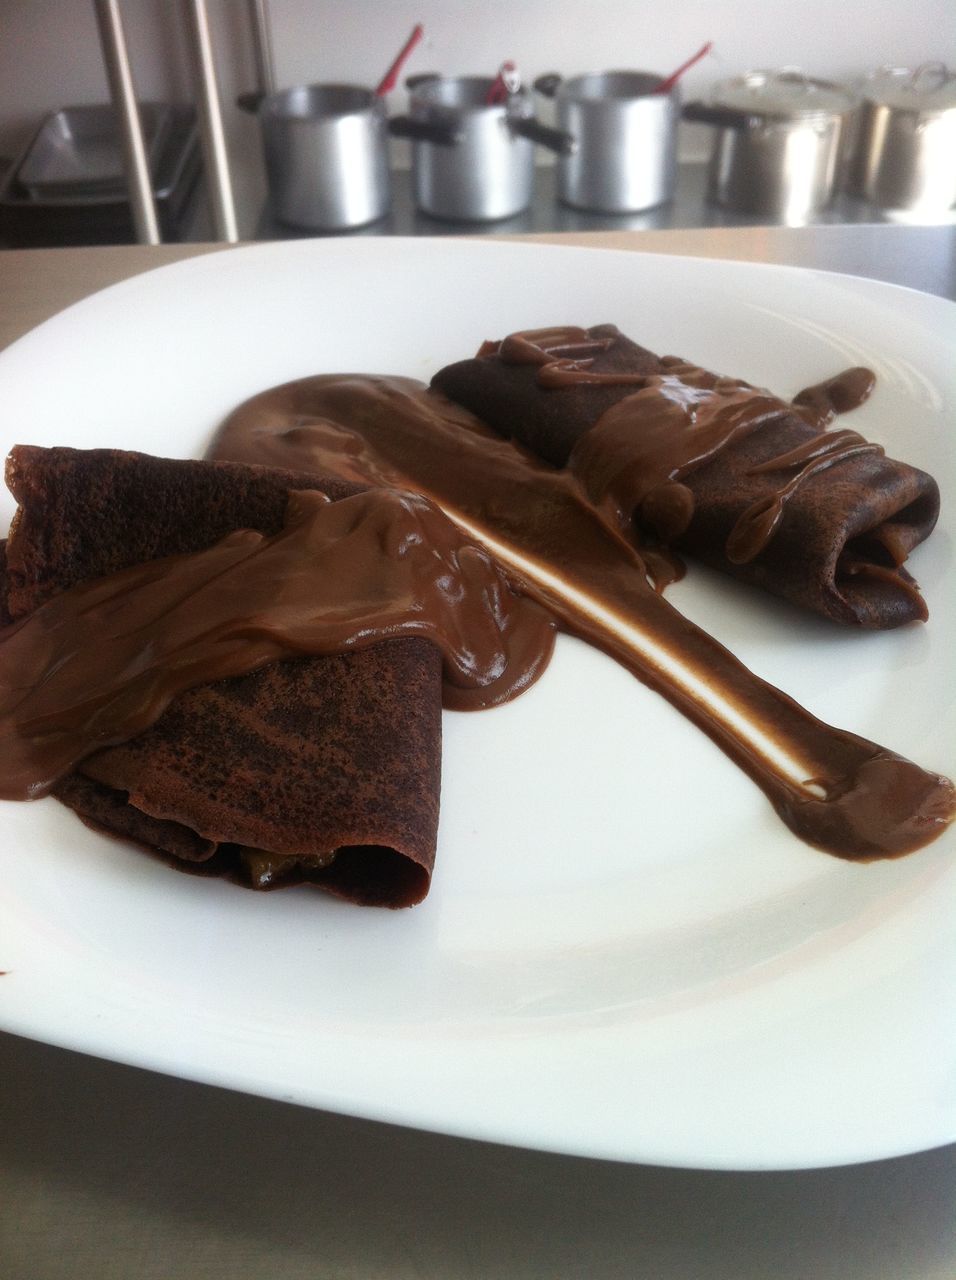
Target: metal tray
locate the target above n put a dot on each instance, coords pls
(77, 151)
(104, 217)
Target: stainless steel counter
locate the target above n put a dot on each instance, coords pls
(689, 209)
(114, 1172)
(850, 235)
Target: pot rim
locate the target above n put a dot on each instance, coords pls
(732, 94)
(425, 95)
(309, 103)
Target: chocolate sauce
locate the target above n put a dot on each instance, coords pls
(680, 418)
(837, 791)
(77, 674)
(848, 390)
(543, 346)
(755, 525)
(687, 415)
(575, 373)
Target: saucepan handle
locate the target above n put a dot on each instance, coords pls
(547, 85)
(724, 117)
(443, 135)
(543, 135)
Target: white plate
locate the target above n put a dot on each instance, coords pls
(624, 954)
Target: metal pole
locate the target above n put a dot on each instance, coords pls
(210, 123)
(262, 46)
(123, 95)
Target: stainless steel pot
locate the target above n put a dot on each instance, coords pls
(777, 143)
(326, 153)
(626, 135)
(487, 173)
(903, 154)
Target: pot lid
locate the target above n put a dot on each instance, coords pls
(786, 93)
(930, 87)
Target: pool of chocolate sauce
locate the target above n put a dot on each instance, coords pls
(835, 790)
(535, 548)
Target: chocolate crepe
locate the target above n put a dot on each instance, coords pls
(841, 536)
(259, 777)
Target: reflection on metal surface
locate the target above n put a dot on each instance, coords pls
(136, 163)
(210, 118)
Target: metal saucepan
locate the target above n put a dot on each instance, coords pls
(326, 153)
(488, 173)
(777, 143)
(626, 135)
(903, 153)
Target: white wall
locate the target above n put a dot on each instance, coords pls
(49, 52)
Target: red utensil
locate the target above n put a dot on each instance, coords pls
(506, 82)
(390, 78)
(665, 86)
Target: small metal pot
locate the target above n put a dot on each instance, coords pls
(488, 172)
(326, 153)
(903, 154)
(626, 135)
(777, 143)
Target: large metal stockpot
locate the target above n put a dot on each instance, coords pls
(777, 144)
(903, 154)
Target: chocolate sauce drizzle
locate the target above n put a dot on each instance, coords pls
(685, 416)
(99, 663)
(835, 790)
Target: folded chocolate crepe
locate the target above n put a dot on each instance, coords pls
(713, 468)
(321, 769)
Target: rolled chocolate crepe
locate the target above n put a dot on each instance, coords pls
(714, 468)
(322, 769)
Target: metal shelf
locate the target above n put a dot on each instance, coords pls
(690, 208)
